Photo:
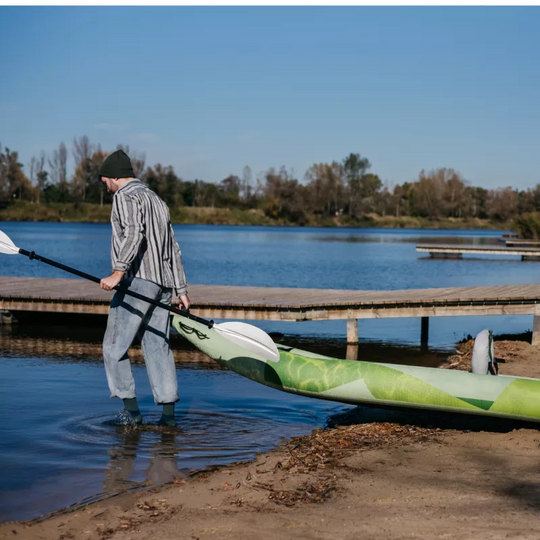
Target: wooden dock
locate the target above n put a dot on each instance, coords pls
(456, 251)
(522, 243)
(75, 296)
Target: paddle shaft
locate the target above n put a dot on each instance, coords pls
(33, 255)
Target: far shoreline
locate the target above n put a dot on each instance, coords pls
(94, 213)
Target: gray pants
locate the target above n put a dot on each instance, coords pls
(127, 317)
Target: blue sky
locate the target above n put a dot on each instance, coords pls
(212, 89)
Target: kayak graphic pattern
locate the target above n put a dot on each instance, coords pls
(358, 382)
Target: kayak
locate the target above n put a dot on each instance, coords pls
(369, 383)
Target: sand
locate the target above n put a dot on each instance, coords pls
(420, 475)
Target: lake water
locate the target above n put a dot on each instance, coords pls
(59, 443)
(301, 257)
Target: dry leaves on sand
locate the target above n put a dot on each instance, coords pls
(321, 454)
(324, 448)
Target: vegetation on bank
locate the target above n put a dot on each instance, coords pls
(528, 225)
(95, 213)
(340, 193)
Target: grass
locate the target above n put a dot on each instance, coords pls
(94, 213)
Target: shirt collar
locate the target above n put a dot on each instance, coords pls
(127, 184)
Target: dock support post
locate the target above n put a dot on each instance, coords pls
(352, 351)
(536, 326)
(352, 331)
(424, 332)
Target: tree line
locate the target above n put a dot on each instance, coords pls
(345, 190)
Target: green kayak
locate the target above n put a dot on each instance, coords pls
(358, 383)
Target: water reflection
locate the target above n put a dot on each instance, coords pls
(162, 459)
(83, 344)
(388, 238)
(476, 258)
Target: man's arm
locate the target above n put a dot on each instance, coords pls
(179, 275)
(130, 217)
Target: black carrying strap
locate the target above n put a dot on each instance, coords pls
(182, 312)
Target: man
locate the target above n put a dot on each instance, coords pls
(146, 258)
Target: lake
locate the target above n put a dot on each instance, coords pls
(60, 443)
(301, 257)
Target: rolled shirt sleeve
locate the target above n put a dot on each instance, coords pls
(179, 275)
(130, 216)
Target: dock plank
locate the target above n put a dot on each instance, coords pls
(76, 296)
(71, 290)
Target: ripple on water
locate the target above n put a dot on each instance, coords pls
(200, 438)
(70, 448)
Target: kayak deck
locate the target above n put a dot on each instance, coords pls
(359, 382)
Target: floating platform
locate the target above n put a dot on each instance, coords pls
(454, 251)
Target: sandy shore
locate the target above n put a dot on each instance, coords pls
(420, 475)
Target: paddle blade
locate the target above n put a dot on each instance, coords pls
(7, 246)
(250, 337)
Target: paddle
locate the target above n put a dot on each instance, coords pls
(245, 335)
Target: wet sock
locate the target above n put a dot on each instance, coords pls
(132, 407)
(167, 417)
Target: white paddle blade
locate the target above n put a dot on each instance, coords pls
(250, 337)
(6, 245)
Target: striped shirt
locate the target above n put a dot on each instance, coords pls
(143, 242)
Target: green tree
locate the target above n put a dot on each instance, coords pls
(325, 183)
(172, 188)
(284, 197)
(229, 191)
(13, 182)
(502, 204)
(354, 170)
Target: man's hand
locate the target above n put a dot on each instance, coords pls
(184, 300)
(109, 283)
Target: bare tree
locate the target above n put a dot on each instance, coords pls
(82, 153)
(38, 175)
(58, 165)
(41, 175)
(82, 149)
(3, 175)
(246, 182)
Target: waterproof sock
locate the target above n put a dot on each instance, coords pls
(167, 417)
(132, 407)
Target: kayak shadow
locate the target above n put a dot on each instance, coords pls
(427, 419)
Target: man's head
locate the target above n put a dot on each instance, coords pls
(116, 170)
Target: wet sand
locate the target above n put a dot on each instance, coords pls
(411, 474)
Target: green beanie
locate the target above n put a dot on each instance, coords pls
(117, 165)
